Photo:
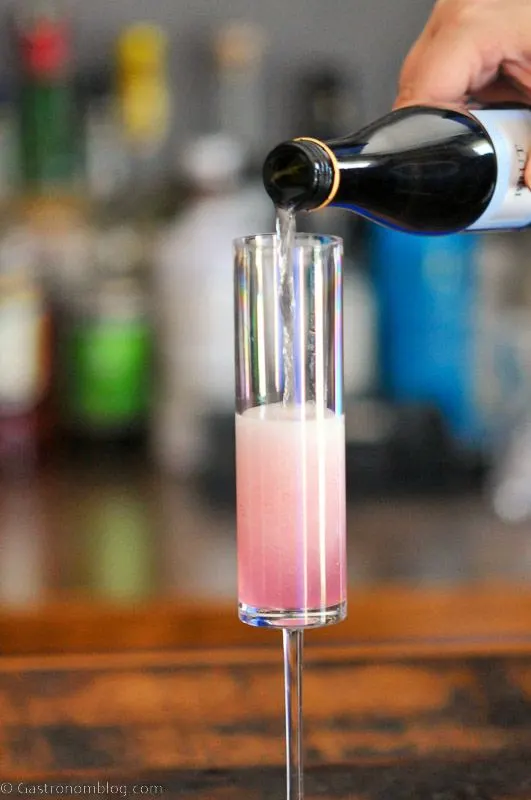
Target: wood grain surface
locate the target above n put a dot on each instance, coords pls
(489, 612)
(207, 725)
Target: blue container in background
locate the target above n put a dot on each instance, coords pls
(428, 295)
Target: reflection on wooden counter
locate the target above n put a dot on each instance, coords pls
(102, 558)
(123, 532)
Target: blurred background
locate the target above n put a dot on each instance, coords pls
(131, 141)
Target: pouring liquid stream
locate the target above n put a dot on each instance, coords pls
(285, 237)
(293, 639)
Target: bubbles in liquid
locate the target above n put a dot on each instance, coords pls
(278, 412)
(285, 236)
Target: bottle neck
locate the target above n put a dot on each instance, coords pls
(301, 175)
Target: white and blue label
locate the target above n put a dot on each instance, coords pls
(510, 133)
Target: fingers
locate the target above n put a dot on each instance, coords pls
(416, 55)
(471, 49)
(458, 61)
(527, 174)
(518, 73)
(410, 69)
(502, 90)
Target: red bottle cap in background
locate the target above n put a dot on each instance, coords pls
(45, 48)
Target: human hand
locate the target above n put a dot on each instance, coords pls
(471, 51)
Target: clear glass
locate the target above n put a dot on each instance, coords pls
(290, 453)
(290, 457)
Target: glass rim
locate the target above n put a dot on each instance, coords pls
(265, 241)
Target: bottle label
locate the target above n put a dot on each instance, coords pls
(510, 133)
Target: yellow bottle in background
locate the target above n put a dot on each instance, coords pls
(144, 95)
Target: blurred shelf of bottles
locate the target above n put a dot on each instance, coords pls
(114, 258)
(116, 297)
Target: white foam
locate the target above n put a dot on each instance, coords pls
(278, 412)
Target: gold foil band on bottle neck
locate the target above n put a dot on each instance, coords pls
(335, 168)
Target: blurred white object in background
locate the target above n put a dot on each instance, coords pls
(510, 483)
(511, 494)
(22, 310)
(193, 274)
(194, 302)
(510, 376)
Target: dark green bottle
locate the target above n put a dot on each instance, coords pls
(47, 102)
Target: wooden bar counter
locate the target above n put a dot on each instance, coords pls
(124, 670)
(426, 723)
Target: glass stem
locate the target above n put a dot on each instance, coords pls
(293, 641)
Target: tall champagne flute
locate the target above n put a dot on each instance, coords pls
(290, 453)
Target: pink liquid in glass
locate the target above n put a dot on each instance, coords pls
(291, 508)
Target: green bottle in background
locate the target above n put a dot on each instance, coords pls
(49, 161)
(107, 345)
